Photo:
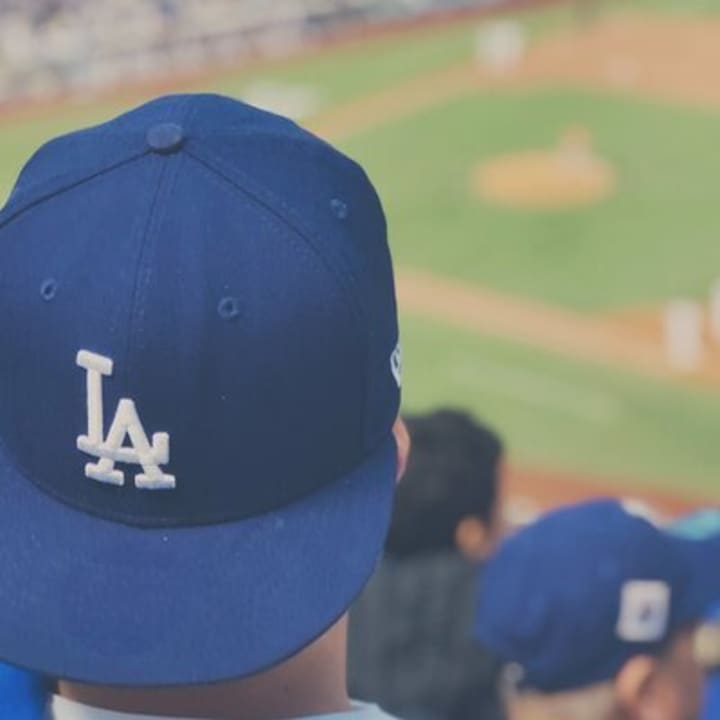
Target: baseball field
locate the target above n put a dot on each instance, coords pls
(551, 183)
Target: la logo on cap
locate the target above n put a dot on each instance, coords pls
(126, 424)
(644, 611)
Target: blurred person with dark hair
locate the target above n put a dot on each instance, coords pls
(450, 499)
(410, 645)
(595, 609)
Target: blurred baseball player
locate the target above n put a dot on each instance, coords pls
(596, 609)
(199, 390)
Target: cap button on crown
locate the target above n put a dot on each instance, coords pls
(165, 138)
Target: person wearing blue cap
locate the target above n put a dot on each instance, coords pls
(594, 608)
(199, 438)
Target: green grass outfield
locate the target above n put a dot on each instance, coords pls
(656, 237)
(559, 413)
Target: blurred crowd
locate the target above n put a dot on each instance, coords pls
(55, 46)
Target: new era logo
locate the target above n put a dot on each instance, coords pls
(396, 364)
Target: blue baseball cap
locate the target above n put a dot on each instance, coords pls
(572, 597)
(199, 376)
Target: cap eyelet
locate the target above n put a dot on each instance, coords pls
(340, 208)
(48, 290)
(228, 308)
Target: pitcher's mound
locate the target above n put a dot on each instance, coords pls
(569, 175)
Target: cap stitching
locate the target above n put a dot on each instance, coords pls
(58, 185)
(138, 271)
(269, 201)
(143, 270)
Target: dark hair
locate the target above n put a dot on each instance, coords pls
(452, 473)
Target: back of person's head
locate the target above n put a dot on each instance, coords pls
(411, 643)
(662, 685)
(450, 493)
(199, 390)
(596, 702)
(595, 607)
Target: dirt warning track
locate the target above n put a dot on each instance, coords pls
(532, 491)
(668, 59)
(600, 340)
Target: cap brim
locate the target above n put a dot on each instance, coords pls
(100, 602)
(700, 590)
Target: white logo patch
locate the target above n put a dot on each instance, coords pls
(396, 364)
(126, 423)
(644, 611)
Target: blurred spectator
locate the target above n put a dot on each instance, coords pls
(449, 500)
(595, 608)
(52, 47)
(410, 644)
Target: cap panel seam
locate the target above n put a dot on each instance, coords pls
(269, 202)
(349, 282)
(143, 269)
(272, 221)
(138, 272)
(345, 284)
(58, 185)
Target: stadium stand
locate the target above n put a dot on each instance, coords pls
(50, 47)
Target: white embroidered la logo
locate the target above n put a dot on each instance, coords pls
(644, 611)
(126, 423)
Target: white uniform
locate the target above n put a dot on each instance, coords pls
(64, 709)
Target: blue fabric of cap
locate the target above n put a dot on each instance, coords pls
(551, 596)
(193, 246)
